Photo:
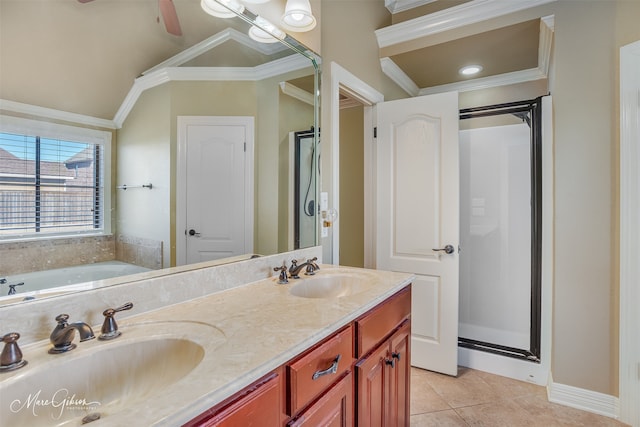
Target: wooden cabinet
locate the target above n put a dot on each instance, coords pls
(315, 371)
(383, 369)
(357, 376)
(400, 375)
(257, 405)
(333, 409)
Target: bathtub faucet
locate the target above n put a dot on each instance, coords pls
(64, 332)
(12, 287)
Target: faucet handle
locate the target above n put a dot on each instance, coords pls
(110, 327)
(282, 277)
(62, 319)
(311, 266)
(11, 357)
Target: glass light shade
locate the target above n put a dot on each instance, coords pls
(216, 8)
(297, 16)
(255, 1)
(258, 34)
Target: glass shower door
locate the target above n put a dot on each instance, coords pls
(499, 307)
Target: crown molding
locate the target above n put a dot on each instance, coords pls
(395, 73)
(297, 93)
(51, 114)
(395, 6)
(213, 41)
(515, 77)
(161, 76)
(349, 103)
(450, 19)
(547, 28)
(401, 79)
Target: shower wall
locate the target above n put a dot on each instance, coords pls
(495, 235)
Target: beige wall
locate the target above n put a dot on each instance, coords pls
(150, 133)
(352, 188)
(143, 157)
(584, 88)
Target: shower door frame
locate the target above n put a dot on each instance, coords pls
(534, 108)
(298, 137)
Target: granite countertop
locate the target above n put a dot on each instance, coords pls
(246, 332)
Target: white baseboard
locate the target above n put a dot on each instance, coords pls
(586, 400)
(517, 369)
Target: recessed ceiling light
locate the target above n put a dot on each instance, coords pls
(470, 70)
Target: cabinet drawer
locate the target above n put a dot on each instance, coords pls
(375, 325)
(334, 408)
(262, 397)
(311, 374)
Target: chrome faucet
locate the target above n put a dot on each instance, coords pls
(310, 265)
(282, 277)
(62, 335)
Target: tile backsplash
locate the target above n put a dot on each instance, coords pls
(39, 255)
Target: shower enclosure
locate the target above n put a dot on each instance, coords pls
(305, 208)
(500, 229)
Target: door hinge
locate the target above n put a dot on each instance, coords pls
(245, 147)
(375, 132)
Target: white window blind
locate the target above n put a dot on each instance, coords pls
(50, 186)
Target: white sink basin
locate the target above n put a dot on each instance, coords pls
(105, 378)
(331, 285)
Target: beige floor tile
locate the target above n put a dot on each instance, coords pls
(509, 388)
(502, 413)
(466, 389)
(481, 399)
(423, 397)
(547, 413)
(447, 418)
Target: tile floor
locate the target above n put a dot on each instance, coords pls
(476, 398)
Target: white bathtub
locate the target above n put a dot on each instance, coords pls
(51, 282)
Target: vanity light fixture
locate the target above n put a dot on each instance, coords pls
(470, 70)
(265, 32)
(297, 16)
(222, 8)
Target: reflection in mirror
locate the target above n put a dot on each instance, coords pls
(224, 74)
(305, 176)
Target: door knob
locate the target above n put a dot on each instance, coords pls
(449, 249)
(192, 232)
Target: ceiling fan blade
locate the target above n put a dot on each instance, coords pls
(84, 1)
(170, 17)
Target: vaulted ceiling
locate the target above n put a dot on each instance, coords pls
(84, 57)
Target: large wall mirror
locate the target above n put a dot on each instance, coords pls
(114, 67)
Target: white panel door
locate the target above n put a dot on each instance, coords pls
(218, 223)
(417, 210)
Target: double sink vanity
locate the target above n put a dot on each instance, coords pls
(221, 345)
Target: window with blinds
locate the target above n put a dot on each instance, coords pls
(50, 186)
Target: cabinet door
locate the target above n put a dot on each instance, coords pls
(399, 377)
(371, 381)
(259, 407)
(333, 409)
